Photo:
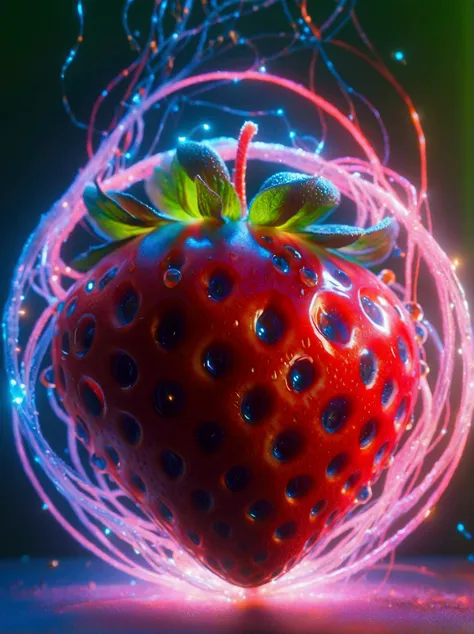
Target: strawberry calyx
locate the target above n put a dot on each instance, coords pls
(196, 186)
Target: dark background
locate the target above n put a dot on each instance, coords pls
(42, 151)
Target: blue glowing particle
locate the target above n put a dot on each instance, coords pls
(262, 69)
(399, 56)
(206, 126)
(182, 139)
(280, 112)
(292, 134)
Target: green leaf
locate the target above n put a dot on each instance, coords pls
(209, 203)
(376, 244)
(99, 205)
(175, 191)
(116, 216)
(89, 259)
(162, 191)
(367, 246)
(147, 215)
(230, 201)
(198, 159)
(293, 201)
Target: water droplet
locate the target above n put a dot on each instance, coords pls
(421, 333)
(274, 375)
(296, 255)
(387, 276)
(171, 278)
(424, 369)
(308, 277)
(280, 263)
(267, 239)
(414, 310)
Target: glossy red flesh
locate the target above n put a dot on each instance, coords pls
(257, 284)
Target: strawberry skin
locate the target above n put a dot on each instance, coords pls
(243, 387)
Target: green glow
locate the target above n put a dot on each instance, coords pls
(468, 120)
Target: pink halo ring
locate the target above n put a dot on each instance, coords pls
(357, 542)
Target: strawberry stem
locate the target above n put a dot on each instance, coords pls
(248, 131)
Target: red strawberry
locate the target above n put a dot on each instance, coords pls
(243, 380)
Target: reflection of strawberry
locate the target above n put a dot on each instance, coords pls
(244, 380)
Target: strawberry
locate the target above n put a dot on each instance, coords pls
(244, 379)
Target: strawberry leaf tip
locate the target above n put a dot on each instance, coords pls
(116, 216)
(368, 246)
(293, 201)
